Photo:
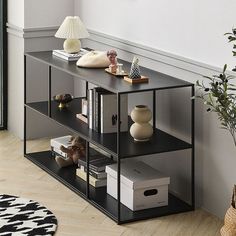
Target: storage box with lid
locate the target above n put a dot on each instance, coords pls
(56, 144)
(142, 186)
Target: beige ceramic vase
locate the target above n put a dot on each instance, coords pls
(141, 130)
(229, 228)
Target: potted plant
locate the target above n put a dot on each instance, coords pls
(229, 228)
(220, 97)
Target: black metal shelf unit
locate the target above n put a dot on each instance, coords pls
(119, 144)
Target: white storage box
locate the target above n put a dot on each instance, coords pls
(142, 186)
(56, 144)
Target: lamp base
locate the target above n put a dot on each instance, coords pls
(72, 45)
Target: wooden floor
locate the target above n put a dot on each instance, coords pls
(20, 177)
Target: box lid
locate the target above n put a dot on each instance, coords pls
(58, 142)
(137, 174)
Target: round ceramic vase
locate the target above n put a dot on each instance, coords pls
(141, 130)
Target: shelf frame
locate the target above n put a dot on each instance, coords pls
(193, 145)
(53, 63)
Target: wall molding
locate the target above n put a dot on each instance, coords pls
(28, 33)
(157, 55)
(153, 54)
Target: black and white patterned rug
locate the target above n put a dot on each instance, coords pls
(19, 216)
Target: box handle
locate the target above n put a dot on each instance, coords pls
(150, 192)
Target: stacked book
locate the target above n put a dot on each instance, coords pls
(69, 56)
(102, 111)
(97, 174)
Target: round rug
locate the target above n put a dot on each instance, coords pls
(20, 216)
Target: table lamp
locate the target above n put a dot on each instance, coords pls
(72, 29)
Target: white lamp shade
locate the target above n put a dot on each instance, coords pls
(72, 28)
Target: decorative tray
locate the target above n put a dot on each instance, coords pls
(118, 75)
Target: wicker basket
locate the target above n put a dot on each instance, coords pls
(229, 228)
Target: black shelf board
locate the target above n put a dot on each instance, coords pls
(101, 78)
(98, 196)
(159, 143)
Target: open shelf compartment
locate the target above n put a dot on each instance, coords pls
(159, 143)
(98, 196)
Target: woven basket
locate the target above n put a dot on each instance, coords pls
(229, 228)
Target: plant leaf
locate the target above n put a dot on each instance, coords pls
(225, 67)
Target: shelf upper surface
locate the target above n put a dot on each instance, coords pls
(160, 141)
(115, 84)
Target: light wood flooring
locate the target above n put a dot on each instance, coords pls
(20, 177)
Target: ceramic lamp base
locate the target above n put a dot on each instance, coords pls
(72, 45)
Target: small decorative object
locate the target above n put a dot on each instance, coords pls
(74, 152)
(72, 29)
(119, 69)
(135, 74)
(117, 73)
(94, 59)
(141, 130)
(112, 54)
(135, 70)
(114, 67)
(63, 100)
(229, 228)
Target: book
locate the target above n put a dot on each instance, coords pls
(97, 104)
(69, 56)
(82, 117)
(92, 181)
(97, 162)
(95, 174)
(90, 110)
(109, 113)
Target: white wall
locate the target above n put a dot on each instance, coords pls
(187, 29)
(192, 29)
(46, 13)
(16, 12)
(15, 85)
(29, 30)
